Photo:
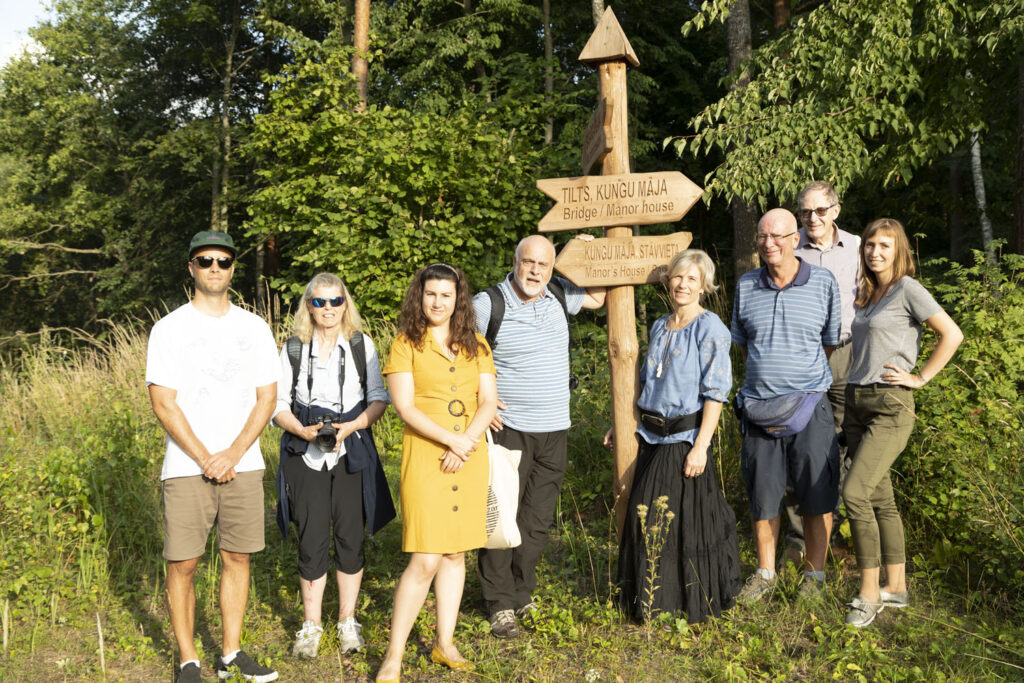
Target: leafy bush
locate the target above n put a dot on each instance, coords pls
(962, 470)
(373, 195)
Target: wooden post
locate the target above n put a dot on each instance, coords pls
(619, 259)
(609, 49)
(623, 348)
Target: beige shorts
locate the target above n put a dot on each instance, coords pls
(193, 504)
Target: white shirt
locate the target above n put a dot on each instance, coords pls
(326, 392)
(215, 365)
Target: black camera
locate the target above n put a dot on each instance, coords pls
(328, 433)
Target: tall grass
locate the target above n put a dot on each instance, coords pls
(80, 536)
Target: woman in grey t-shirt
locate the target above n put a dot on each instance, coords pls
(891, 307)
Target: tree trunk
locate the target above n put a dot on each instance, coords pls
(222, 164)
(956, 214)
(1017, 239)
(979, 196)
(361, 41)
(549, 74)
(597, 9)
(781, 11)
(744, 224)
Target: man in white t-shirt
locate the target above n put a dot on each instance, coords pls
(212, 374)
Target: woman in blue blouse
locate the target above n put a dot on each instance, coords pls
(685, 380)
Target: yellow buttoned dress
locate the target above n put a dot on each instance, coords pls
(442, 513)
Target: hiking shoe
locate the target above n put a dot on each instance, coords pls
(811, 588)
(894, 600)
(307, 641)
(756, 588)
(189, 673)
(503, 624)
(528, 611)
(243, 665)
(862, 612)
(350, 637)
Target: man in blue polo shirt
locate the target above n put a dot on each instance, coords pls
(786, 319)
(531, 356)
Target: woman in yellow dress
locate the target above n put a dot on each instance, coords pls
(442, 383)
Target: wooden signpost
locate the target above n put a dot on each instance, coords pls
(594, 201)
(616, 200)
(613, 261)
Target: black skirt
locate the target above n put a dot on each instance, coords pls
(699, 564)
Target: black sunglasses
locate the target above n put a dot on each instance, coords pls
(224, 262)
(320, 302)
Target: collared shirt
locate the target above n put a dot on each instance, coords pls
(785, 329)
(531, 356)
(326, 391)
(842, 257)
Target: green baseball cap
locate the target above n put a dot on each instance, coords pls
(211, 238)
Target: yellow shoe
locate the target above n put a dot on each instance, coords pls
(438, 658)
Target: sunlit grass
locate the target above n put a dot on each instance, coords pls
(80, 537)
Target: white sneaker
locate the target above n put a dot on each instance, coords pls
(349, 635)
(307, 641)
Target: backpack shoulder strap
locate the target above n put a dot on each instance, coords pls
(357, 344)
(294, 348)
(558, 291)
(497, 315)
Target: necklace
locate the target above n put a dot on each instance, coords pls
(664, 354)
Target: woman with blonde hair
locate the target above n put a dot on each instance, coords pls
(442, 380)
(685, 380)
(890, 309)
(329, 394)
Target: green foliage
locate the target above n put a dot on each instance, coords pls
(80, 456)
(373, 195)
(963, 481)
(857, 91)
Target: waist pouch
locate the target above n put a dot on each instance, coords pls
(667, 426)
(784, 415)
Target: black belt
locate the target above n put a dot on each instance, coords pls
(843, 343)
(666, 426)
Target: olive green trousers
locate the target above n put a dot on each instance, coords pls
(878, 423)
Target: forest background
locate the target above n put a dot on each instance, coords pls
(134, 123)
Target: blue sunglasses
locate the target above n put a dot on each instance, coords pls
(320, 302)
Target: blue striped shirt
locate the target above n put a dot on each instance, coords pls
(785, 330)
(531, 356)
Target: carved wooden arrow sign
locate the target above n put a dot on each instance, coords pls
(597, 137)
(610, 200)
(614, 261)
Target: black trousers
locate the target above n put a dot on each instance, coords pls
(317, 499)
(508, 577)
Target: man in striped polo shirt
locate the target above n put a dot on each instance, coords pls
(786, 319)
(531, 356)
(823, 243)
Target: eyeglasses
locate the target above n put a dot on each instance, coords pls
(762, 238)
(821, 211)
(204, 262)
(320, 302)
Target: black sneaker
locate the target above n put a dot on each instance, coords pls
(189, 673)
(243, 665)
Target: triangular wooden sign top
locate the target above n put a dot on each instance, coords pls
(608, 43)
